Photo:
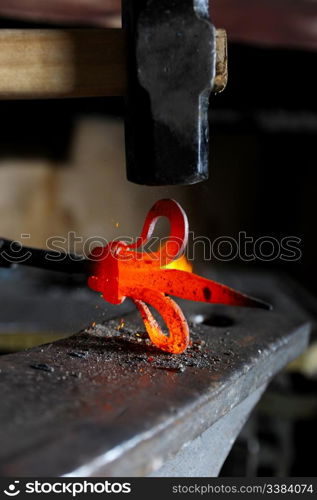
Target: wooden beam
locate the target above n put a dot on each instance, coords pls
(269, 23)
(89, 12)
(52, 63)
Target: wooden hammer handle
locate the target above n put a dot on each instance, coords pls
(55, 63)
(58, 63)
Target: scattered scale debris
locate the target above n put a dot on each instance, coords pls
(133, 347)
(126, 346)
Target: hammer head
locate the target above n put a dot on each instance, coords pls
(171, 47)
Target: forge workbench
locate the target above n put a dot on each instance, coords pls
(106, 403)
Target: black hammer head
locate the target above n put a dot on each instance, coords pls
(171, 49)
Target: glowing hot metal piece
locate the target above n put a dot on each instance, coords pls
(121, 271)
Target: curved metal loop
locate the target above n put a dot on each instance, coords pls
(178, 237)
(178, 338)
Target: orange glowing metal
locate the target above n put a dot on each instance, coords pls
(121, 271)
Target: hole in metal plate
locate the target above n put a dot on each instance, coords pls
(220, 320)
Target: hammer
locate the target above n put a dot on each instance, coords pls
(166, 61)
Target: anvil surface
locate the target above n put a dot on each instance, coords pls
(107, 403)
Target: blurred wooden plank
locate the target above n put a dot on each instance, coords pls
(270, 23)
(61, 63)
(284, 23)
(97, 12)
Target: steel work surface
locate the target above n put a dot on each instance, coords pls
(105, 402)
